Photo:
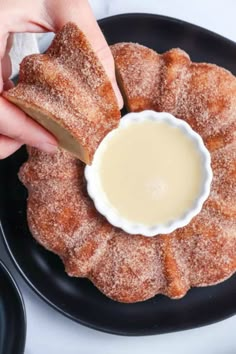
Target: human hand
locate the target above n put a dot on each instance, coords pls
(16, 128)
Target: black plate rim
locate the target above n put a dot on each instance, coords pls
(27, 280)
(150, 332)
(22, 339)
(169, 19)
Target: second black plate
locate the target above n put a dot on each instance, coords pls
(78, 298)
(12, 315)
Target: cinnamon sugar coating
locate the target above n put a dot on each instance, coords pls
(128, 268)
(67, 89)
(202, 94)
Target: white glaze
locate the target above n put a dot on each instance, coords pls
(96, 191)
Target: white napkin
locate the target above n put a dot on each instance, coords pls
(23, 44)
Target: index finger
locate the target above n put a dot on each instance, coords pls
(15, 124)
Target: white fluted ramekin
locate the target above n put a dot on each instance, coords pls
(102, 204)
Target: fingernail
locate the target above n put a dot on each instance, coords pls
(46, 147)
(8, 85)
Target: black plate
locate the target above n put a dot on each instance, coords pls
(78, 298)
(12, 315)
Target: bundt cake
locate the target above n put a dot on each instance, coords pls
(68, 92)
(134, 268)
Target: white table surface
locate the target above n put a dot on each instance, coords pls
(49, 332)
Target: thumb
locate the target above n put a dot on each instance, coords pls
(81, 13)
(106, 58)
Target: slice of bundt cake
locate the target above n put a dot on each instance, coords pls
(68, 92)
